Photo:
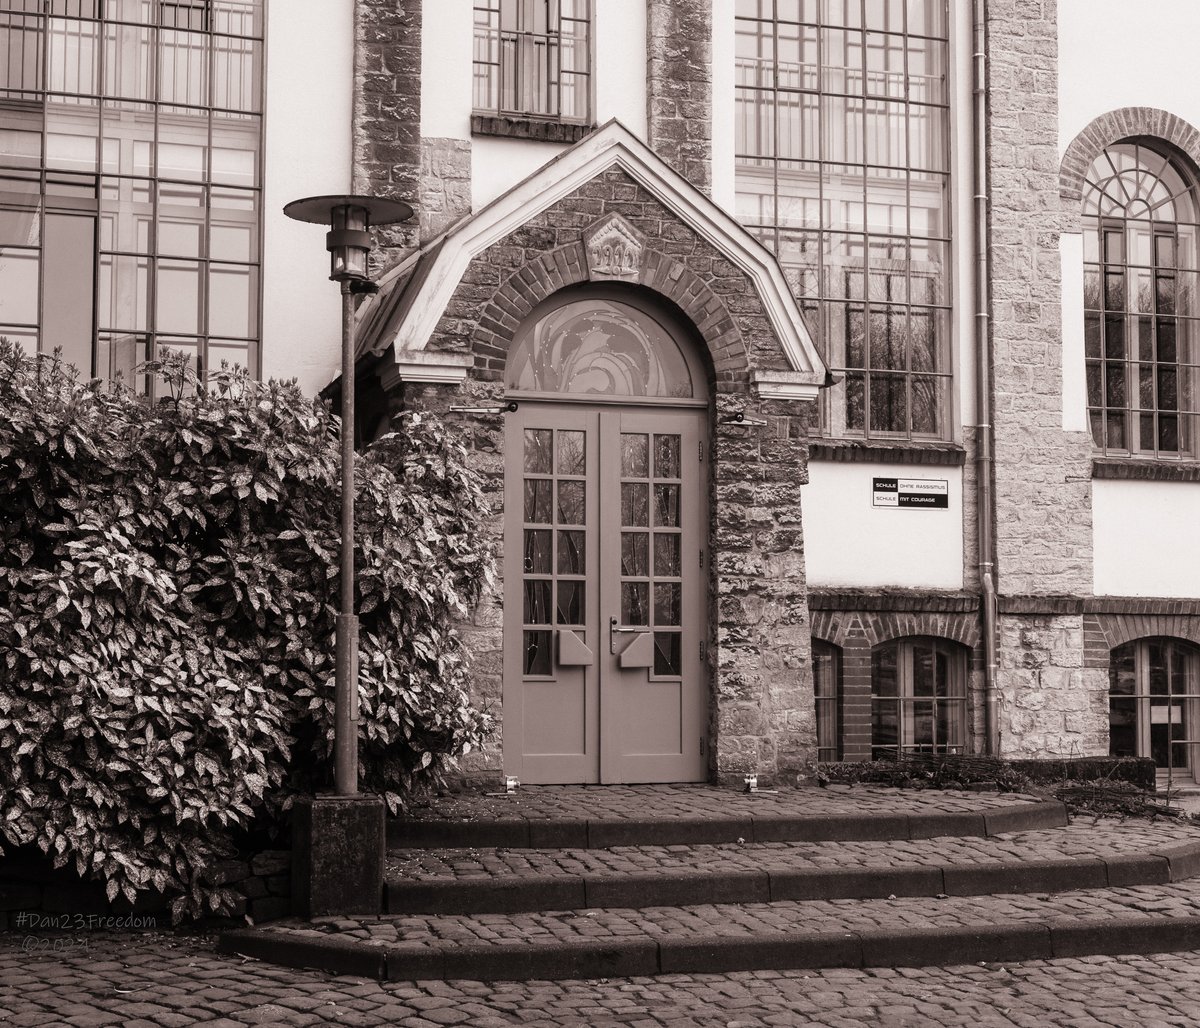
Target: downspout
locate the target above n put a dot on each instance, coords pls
(984, 458)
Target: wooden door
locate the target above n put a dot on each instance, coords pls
(605, 594)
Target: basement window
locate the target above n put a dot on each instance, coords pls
(918, 698)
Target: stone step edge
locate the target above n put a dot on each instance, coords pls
(520, 832)
(518, 894)
(648, 956)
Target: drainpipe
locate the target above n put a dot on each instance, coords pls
(984, 458)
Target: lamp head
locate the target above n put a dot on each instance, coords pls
(349, 218)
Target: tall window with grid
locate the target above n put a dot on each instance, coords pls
(130, 179)
(1140, 266)
(843, 170)
(533, 58)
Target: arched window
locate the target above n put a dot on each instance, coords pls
(827, 685)
(1154, 691)
(1140, 225)
(595, 343)
(918, 697)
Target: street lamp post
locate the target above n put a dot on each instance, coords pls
(349, 242)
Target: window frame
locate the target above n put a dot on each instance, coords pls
(135, 192)
(905, 699)
(1143, 697)
(482, 84)
(827, 697)
(1119, 425)
(878, 392)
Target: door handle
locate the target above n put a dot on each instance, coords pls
(613, 626)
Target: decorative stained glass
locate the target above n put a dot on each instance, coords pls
(600, 347)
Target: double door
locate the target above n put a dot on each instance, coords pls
(606, 594)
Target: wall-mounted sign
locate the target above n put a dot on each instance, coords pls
(933, 493)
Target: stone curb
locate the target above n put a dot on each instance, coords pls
(689, 888)
(604, 833)
(621, 958)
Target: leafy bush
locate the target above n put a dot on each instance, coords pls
(168, 590)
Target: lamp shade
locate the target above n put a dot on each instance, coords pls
(349, 218)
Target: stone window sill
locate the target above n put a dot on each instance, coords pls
(546, 131)
(860, 451)
(1146, 469)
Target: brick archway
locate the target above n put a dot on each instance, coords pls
(565, 266)
(1125, 123)
(1108, 631)
(853, 628)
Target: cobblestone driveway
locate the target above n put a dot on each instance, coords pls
(160, 981)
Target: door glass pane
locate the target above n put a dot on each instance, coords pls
(666, 554)
(635, 504)
(570, 553)
(666, 456)
(667, 603)
(634, 456)
(570, 503)
(666, 505)
(537, 653)
(571, 609)
(667, 653)
(537, 500)
(537, 451)
(571, 456)
(537, 551)
(634, 553)
(635, 603)
(537, 602)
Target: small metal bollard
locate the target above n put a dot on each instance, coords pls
(511, 784)
(752, 783)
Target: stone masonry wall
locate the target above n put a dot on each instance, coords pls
(1043, 474)
(387, 115)
(764, 719)
(445, 184)
(1051, 705)
(679, 86)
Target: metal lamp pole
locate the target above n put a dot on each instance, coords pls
(349, 242)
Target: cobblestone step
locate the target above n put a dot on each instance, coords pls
(585, 818)
(1095, 854)
(901, 932)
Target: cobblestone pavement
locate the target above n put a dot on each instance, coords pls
(160, 981)
(1090, 837)
(667, 801)
(744, 919)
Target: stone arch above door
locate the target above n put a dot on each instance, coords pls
(568, 265)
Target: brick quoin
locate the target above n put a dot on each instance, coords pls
(679, 86)
(386, 120)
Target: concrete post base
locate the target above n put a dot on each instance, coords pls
(338, 847)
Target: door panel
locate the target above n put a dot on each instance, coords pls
(551, 725)
(605, 594)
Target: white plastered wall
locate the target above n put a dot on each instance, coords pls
(309, 71)
(1115, 54)
(850, 543)
(1145, 540)
(310, 50)
(498, 164)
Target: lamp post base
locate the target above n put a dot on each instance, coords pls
(338, 845)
